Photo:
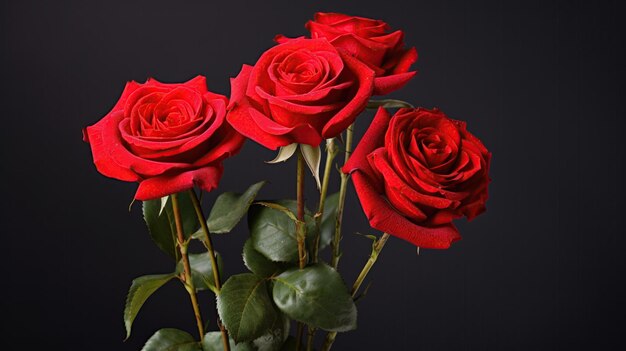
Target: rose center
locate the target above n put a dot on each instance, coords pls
(301, 67)
(166, 114)
(430, 147)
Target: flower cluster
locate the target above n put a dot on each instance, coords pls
(414, 171)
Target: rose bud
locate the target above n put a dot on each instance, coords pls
(417, 171)
(167, 137)
(302, 91)
(372, 42)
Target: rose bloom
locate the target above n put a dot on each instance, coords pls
(167, 137)
(372, 42)
(303, 91)
(417, 171)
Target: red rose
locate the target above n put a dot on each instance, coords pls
(371, 42)
(417, 171)
(302, 91)
(167, 137)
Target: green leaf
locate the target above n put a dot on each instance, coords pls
(317, 296)
(274, 339)
(388, 103)
(328, 220)
(273, 232)
(202, 270)
(246, 307)
(213, 342)
(284, 153)
(228, 209)
(169, 339)
(162, 227)
(140, 290)
(259, 264)
(313, 156)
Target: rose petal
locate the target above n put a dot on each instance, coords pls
(365, 83)
(259, 75)
(197, 83)
(102, 159)
(240, 118)
(301, 133)
(279, 38)
(370, 52)
(379, 159)
(294, 108)
(190, 146)
(229, 144)
(206, 178)
(403, 205)
(385, 218)
(239, 85)
(390, 40)
(388, 84)
(128, 90)
(373, 138)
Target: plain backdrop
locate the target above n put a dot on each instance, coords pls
(540, 82)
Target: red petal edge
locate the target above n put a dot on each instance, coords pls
(206, 178)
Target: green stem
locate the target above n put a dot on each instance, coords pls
(336, 254)
(186, 278)
(310, 338)
(300, 231)
(331, 152)
(299, 332)
(209, 246)
(376, 249)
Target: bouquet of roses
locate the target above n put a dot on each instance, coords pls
(414, 171)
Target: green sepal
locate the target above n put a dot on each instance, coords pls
(312, 156)
(284, 153)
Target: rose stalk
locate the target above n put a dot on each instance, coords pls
(300, 231)
(206, 239)
(331, 153)
(343, 188)
(186, 276)
(377, 247)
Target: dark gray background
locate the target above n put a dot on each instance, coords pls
(540, 82)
